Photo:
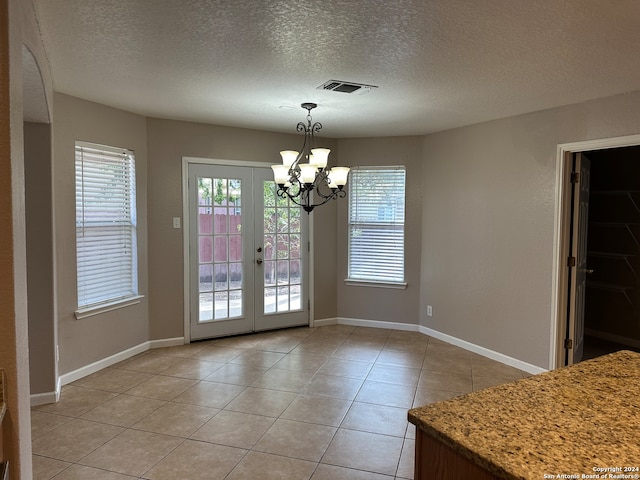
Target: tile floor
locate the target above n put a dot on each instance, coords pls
(308, 403)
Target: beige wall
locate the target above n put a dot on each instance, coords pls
(375, 303)
(40, 286)
(488, 223)
(97, 337)
(480, 217)
(169, 141)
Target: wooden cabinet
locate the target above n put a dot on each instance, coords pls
(2, 411)
(436, 461)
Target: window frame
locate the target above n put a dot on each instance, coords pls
(374, 282)
(130, 289)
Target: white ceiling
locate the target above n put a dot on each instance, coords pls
(438, 63)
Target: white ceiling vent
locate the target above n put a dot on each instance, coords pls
(346, 87)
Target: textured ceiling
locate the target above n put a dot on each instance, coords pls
(438, 63)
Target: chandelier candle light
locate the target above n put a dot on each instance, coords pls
(305, 173)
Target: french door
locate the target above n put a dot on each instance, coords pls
(248, 253)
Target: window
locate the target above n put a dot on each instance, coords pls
(376, 225)
(105, 226)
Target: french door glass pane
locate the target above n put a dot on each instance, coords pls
(219, 248)
(281, 243)
(296, 298)
(206, 306)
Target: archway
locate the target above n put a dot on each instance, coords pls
(43, 369)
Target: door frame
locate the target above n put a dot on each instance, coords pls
(561, 236)
(186, 161)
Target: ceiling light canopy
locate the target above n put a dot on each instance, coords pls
(304, 174)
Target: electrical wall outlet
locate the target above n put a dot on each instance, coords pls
(176, 222)
(429, 311)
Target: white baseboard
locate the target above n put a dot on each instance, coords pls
(44, 398)
(166, 342)
(82, 372)
(358, 322)
(324, 322)
(107, 362)
(485, 352)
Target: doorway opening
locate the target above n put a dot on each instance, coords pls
(612, 303)
(604, 316)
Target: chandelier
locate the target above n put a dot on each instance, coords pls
(304, 174)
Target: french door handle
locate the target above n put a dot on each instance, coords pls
(259, 261)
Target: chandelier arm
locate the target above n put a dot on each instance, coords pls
(285, 194)
(290, 190)
(282, 193)
(332, 195)
(303, 198)
(322, 179)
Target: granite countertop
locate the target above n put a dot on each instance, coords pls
(566, 421)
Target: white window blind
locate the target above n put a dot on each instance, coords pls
(376, 224)
(105, 225)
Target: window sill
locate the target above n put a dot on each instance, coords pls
(371, 283)
(107, 307)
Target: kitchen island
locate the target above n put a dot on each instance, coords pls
(581, 421)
